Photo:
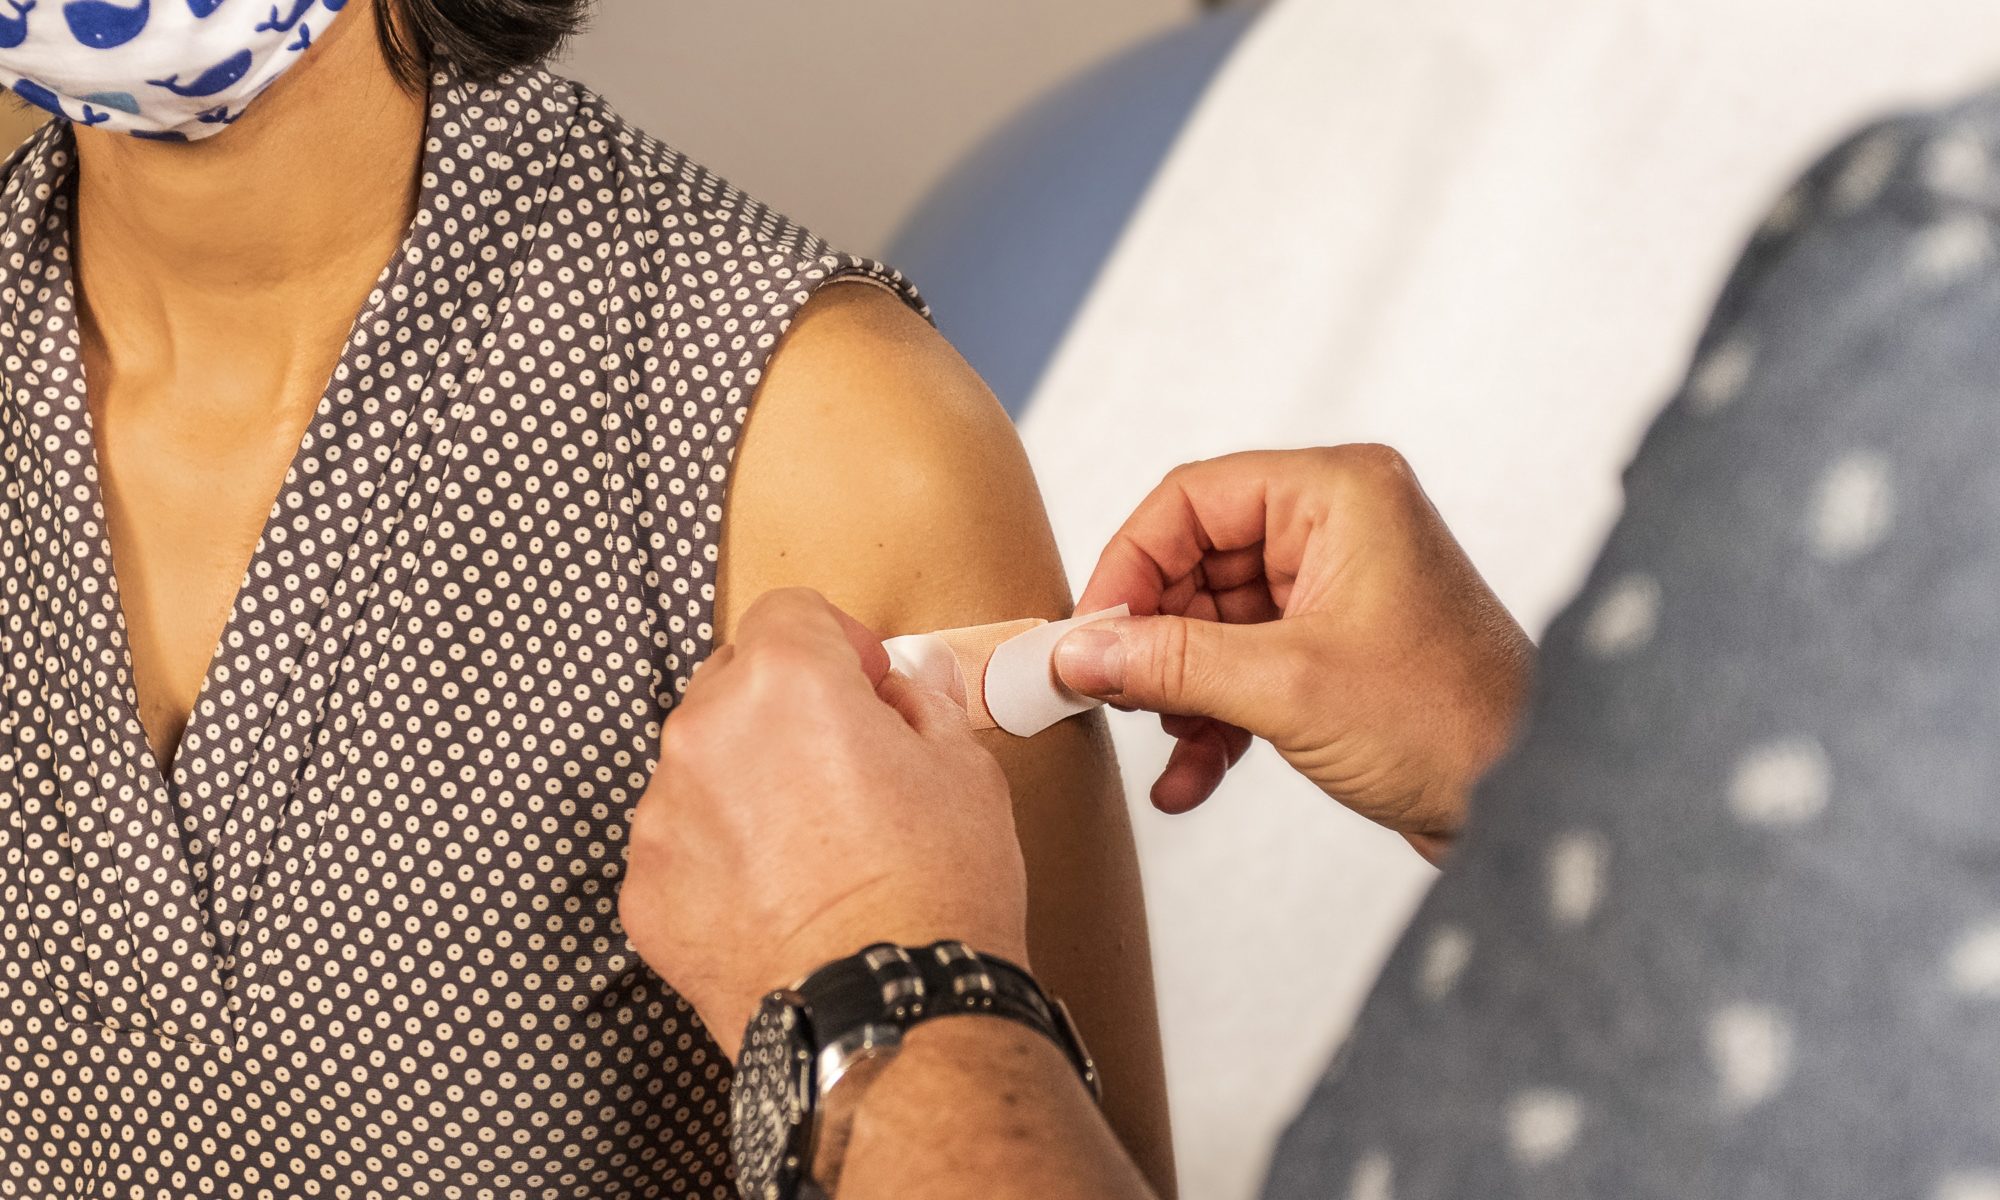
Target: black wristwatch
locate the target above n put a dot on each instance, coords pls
(811, 1051)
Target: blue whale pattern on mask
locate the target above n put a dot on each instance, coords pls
(14, 29)
(124, 102)
(39, 96)
(211, 81)
(101, 24)
(132, 65)
(284, 24)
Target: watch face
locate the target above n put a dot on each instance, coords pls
(772, 1100)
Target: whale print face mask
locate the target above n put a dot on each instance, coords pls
(173, 70)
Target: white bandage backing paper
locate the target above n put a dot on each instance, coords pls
(1011, 684)
(1022, 690)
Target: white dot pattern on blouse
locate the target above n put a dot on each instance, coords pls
(1733, 897)
(363, 940)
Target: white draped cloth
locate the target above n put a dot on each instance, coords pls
(1485, 234)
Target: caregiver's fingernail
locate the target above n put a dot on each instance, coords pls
(1091, 660)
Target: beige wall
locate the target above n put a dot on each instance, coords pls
(842, 112)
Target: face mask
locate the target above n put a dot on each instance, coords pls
(172, 70)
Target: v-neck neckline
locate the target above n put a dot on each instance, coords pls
(166, 876)
(160, 779)
(202, 904)
(169, 778)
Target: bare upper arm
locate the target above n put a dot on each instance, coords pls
(878, 469)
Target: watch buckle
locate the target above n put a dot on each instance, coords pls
(1066, 1025)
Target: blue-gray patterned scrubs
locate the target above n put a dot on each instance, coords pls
(1727, 924)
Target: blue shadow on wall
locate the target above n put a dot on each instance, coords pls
(1007, 246)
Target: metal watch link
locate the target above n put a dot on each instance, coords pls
(811, 1051)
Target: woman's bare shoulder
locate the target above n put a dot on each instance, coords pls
(878, 468)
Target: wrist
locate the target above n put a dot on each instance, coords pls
(952, 1055)
(814, 1054)
(1000, 1111)
(1433, 823)
(1489, 727)
(850, 925)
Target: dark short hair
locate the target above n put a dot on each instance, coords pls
(483, 38)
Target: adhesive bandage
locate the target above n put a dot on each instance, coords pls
(953, 661)
(1003, 674)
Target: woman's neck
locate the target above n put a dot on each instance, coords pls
(251, 241)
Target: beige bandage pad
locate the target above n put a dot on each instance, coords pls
(1003, 674)
(953, 661)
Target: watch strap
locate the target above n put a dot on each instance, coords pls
(889, 984)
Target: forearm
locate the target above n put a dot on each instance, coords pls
(981, 1107)
(1087, 930)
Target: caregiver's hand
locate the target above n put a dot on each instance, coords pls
(1313, 598)
(809, 803)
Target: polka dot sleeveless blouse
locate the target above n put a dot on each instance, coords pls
(362, 940)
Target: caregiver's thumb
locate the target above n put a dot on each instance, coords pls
(1181, 666)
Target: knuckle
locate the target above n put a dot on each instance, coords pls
(787, 617)
(806, 684)
(782, 601)
(1169, 666)
(1380, 465)
(1378, 480)
(649, 834)
(686, 732)
(768, 665)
